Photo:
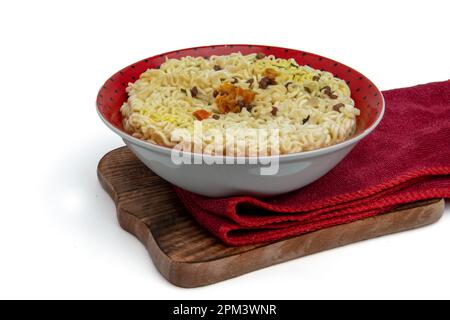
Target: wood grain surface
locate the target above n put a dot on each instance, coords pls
(189, 256)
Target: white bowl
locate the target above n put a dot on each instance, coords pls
(220, 180)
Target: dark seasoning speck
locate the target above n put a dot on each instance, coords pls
(327, 90)
(264, 83)
(306, 119)
(194, 92)
(338, 106)
(260, 55)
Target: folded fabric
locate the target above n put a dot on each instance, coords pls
(405, 159)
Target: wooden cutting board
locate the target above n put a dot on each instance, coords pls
(189, 256)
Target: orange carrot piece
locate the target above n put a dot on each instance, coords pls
(201, 114)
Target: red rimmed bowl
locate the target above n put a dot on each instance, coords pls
(216, 180)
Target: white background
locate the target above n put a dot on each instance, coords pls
(59, 237)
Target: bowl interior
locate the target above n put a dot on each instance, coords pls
(366, 95)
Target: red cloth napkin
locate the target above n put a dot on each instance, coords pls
(406, 158)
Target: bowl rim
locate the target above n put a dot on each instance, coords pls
(302, 154)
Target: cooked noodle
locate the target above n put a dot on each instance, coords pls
(310, 108)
